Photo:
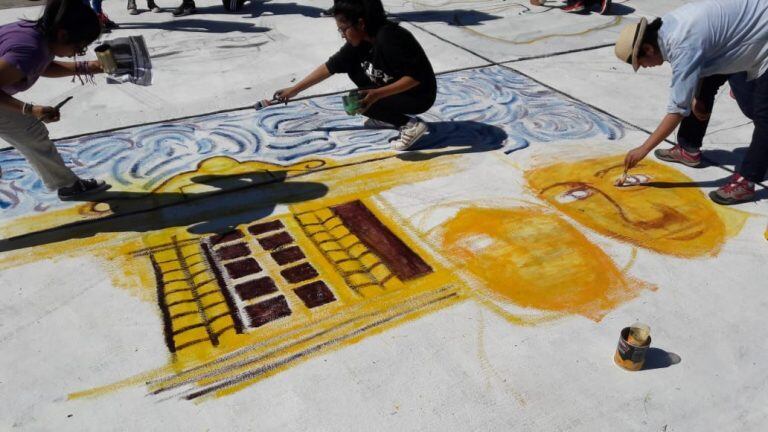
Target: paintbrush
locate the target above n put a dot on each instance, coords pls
(622, 180)
(61, 104)
(58, 106)
(265, 103)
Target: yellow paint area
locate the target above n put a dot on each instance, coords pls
(536, 260)
(224, 332)
(665, 212)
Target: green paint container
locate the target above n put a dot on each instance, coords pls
(352, 103)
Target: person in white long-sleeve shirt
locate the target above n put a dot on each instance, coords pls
(699, 40)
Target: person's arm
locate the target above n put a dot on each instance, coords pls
(686, 71)
(668, 125)
(9, 75)
(373, 95)
(58, 69)
(321, 73)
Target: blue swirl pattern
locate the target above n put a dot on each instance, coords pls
(144, 156)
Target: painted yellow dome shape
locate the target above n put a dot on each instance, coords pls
(536, 259)
(662, 211)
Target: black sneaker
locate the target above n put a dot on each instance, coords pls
(327, 12)
(184, 9)
(82, 187)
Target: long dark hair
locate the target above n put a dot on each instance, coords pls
(74, 17)
(371, 12)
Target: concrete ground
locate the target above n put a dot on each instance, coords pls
(531, 262)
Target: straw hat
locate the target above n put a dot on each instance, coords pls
(628, 44)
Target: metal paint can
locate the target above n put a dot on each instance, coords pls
(105, 57)
(634, 342)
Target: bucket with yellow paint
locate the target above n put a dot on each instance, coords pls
(634, 342)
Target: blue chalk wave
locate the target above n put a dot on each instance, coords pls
(493, 107)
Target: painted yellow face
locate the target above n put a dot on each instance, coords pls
(661, 209)
(535, 259)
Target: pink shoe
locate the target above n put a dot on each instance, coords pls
(738, 190)
(678, 155)
(575, 7)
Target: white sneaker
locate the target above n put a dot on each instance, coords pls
(409, 134)
(377, 124)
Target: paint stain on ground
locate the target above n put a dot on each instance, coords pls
(535, 259)
(666, 213)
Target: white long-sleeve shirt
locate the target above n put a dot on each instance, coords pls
(712, 37)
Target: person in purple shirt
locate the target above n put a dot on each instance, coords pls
(27, 51)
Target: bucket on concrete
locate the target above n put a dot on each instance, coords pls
(634, 342)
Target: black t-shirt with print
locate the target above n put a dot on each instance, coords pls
(395, 53)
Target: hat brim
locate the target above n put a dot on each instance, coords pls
(638, 42)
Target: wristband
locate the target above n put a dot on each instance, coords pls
(26, 109)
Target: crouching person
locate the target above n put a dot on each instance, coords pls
(386, 63)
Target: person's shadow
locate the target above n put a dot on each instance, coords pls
(211, 204)
(194, 25)
(456, 137)
(257, 8)
(456, 17)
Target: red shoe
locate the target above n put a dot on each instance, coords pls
(679, 155)
(575, 7)
(738, 190)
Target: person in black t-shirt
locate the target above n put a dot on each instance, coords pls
(385, 62)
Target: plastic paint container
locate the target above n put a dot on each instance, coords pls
(634, 342)
(352, 102)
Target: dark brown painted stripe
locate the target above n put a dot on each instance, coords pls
(242, 268)
(398, 257)
(223, 286)
(256, 288)
(236, 250)
(226, 237)
(275, 241)
(167, 326)
(315, 294)
(267, 311)
(299, 273)
(265, 227)
(288, 255)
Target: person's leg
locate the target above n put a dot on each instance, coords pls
(395, 109)
(96, 6)
(755, 162)
(690, 134)
(741, 186)
(742, 90)
(187, 7)
(30, 137)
